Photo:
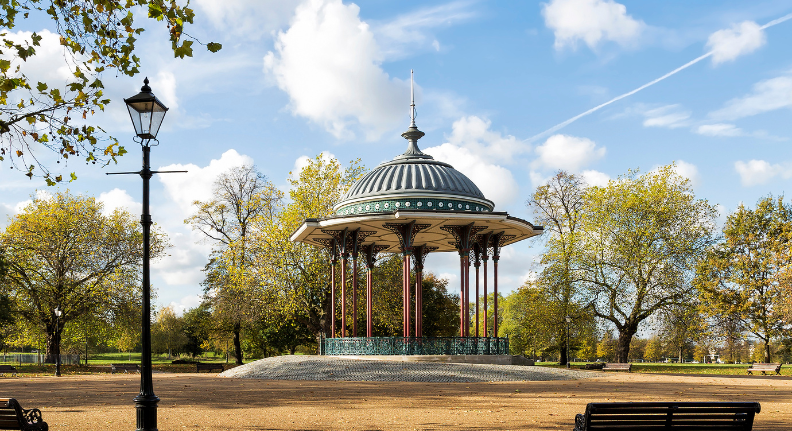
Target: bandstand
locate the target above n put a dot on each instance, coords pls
(413, 205)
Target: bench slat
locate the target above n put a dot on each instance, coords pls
(690, 416)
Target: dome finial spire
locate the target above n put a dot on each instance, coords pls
(412, 99)
(412, 135)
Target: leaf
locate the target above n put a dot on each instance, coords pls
(214, 47)
(41, 87)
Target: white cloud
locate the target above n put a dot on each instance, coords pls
(496, 182)
(719, 129)
(328, 62)
(666, 116)
(196, 184)
(689, 171)
(185, 261)
(118, 198)
(474, 133)
(187, 303)
(591, 21)
(595, 178)
(248, 19)
(755, 172)
(767, 95)
(407, 33)
(728, 44)
(569, 153)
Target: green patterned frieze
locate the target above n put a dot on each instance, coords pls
(419, 204)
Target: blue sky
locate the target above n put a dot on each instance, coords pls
(298, 78)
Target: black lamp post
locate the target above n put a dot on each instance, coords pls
(147, 113)
(58, 314)
(568, 321)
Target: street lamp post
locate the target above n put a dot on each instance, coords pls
(58, 314)
(568, 321)
(147, 113)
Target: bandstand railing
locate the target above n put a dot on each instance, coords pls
(414, 346)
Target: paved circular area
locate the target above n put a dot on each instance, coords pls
(319, 368)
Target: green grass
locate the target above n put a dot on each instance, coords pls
(662, 368)
(100, 363)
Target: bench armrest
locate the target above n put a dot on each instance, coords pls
(580, 422)
(33, 416)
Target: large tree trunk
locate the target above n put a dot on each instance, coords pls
(680, 354)
(623, 345)
(767, 351)
(237, 344)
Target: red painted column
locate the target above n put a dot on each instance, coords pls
(343, 296)
(354, 296)
(418, 302)
(477, 298)
(406, 284)
(369, 303)
(461, 296)
(467, 295)
(495, 293)
(485, 296)
(332, 298)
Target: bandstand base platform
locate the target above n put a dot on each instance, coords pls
(447, 359)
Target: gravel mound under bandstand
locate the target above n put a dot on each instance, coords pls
(329, 368)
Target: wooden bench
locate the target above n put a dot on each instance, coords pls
(617, 367)
(208, 367)
(14, 417)
(765, 368)
(124, 367)
(735, 416)
(594, 366)
(8, 369)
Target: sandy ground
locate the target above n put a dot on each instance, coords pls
(207, 402)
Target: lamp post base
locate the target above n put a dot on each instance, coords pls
(146, 407)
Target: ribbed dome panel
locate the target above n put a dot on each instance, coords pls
(411, 176)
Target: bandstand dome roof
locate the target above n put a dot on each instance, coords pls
(414, 188)
(413, 180)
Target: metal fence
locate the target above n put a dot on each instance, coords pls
(38, 358)
(414, 346)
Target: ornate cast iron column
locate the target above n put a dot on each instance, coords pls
(406, 233)
(341, 237)
(354, 236)
(419, 257)
(369, 258)
(463, 236)
(477, 264)
(483, 242)
(497, 241)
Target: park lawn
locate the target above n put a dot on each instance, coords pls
(663, 368)
(100, 363)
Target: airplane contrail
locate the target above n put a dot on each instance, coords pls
(649, 84)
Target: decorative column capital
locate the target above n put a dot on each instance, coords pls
(406, 233)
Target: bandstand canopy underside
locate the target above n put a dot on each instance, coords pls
(314, 231)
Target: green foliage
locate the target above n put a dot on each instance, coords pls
(641, 238)
(64, 252)
(167, 333)
(654, 350)
(96, 36)
(197, 325)
(742, 276)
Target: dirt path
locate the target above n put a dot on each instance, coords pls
(203, 401)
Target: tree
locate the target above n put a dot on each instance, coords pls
(741, 275)
(64, 252)
(298, 273)
(558, 206)
(641, 236)
(197, 326)
(95, 36)
(241, 195)
(606, 347)
(682, 325)
(167, 333)
(654, 350)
